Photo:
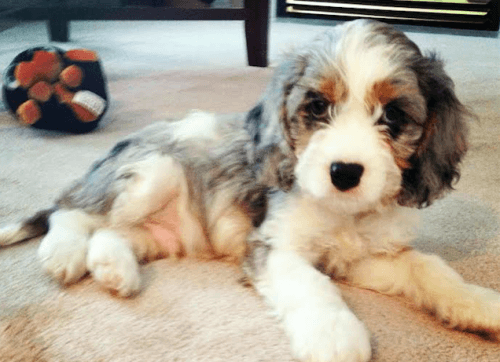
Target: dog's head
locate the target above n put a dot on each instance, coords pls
(366, 117)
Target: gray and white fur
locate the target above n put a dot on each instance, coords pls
(317, 181)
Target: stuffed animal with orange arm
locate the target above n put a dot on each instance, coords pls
(49, 88)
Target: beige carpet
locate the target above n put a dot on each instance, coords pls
(197, 311)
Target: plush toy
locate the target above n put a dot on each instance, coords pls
(49, 88)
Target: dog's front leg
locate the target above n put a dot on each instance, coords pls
(431, 283)
(318, 322)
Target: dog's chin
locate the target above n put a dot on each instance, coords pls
(349, 203)
(364, 198)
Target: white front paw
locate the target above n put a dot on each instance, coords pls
(62, 254)
(473, 308)
(113, 264)
(328, 334)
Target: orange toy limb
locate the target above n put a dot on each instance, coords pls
(44, 66)
(29, 112)
(41, 91)
(72, 76)
(82, 55)
(82, 113)
(64, 95)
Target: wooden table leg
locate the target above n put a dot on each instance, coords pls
(256, 32)
(58, 29)
(58, 24)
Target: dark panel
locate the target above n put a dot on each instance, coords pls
(474, 15)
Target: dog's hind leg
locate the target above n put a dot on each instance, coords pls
(145, 186)
(149, 191)
(431, 283)
(113, 263)
(154, 193)
(63, 250)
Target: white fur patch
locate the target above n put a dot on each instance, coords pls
(112, 262)
(197, 124)
(320, 325)
(326, 334)
(147, 185)
(364, 62)
(63, 250)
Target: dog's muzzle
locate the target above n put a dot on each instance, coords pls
(345, 176)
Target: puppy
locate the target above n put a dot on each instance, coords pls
(317, 181)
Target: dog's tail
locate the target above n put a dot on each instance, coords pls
(37, 225)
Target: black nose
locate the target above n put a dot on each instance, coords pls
(345, 176)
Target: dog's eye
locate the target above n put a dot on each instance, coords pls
(394, 115)
(394, 118)
(318, 108)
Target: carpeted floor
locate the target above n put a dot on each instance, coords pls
(197, 311)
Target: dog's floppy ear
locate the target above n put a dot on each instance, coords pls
(434, 165)
(268, 124)
(267, 121)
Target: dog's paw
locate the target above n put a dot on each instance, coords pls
(62, 254)
(328, 335)
(113, 264)
(472, 308)
(117, 276)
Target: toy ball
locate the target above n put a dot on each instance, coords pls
(49, 88)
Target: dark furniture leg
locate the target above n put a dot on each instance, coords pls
(256, 32)
(255, 14)
(58, 23)
(58, 29)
